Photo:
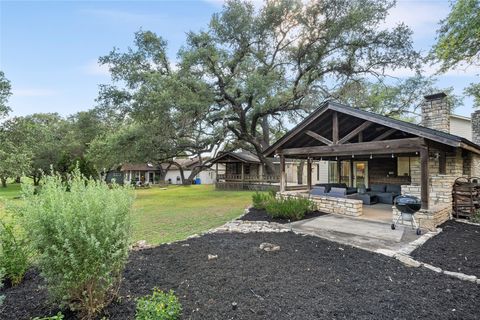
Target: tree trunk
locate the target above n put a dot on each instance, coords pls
(265, 133)
(18, 180)
(4, 182)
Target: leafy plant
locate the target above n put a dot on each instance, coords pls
(289, 208)
(259, 200)
(81, 231)
(2, 275)
(58, 316)
(14, 252)
(158, 306)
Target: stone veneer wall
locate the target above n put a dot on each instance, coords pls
(349, 207)
(440, 188)
(476, 127)
(474, 165)
(436, 113)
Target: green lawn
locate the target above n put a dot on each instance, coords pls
(175, 213)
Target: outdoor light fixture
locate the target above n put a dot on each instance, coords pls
(336, 158)
(371, 156)
(393, 156)
(416, 152)
(353, 156)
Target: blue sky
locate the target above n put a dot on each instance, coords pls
(49, 49)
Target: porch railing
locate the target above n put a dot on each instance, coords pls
(248, 178)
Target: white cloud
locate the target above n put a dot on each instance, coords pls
(33, 92)
(93, 68)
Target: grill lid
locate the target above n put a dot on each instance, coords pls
(408, 204)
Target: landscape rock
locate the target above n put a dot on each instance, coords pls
(141, 245)
(461, 276)
(408, 261)
(265, 246)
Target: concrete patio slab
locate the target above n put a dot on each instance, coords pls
(361, 233)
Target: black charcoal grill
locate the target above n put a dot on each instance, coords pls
(408, 206)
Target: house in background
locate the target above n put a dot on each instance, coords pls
(244, 170)
(151, 174)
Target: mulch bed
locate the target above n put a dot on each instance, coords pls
(456, 248)
(308, 278)
(261, 215)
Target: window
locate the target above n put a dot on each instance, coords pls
(332, 172)
(403, 166)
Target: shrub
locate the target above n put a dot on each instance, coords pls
(58, 316)
(2, 297)
(158, 306)
(259, 200)
(81, 231)
(289, 208)
(14, 252)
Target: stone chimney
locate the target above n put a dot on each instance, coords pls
(436, 112)
(476, 127)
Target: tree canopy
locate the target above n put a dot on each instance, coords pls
(5, 93)
(250, 71)
(458, 43)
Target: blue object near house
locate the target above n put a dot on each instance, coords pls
(198, 181)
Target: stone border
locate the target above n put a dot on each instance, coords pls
(466, 222)
(408, 261)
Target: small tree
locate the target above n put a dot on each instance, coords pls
(81, 231)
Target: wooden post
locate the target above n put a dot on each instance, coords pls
(339, 170)
(216, 171)
(243, 172)
(351, 173)
(335, 128)
(309, 174)
(283, 176)
(260, 172)
(424, 177)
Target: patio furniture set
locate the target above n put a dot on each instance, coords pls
(377, 193)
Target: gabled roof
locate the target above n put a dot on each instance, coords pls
(406, 128)
(240, 156)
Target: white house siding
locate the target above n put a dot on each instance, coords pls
(461, 126)
(206, 176)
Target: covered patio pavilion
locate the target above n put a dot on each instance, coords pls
(372, 148)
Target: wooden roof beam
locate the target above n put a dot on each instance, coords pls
(354, 132)
(384, 135)
(319, 137)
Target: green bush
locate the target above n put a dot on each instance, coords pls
(2, 275)
(81, 231)
(14, 252)
(58, 316)
(158, 306)
(259, 200)
(289, 208)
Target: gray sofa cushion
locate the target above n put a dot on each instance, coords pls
(317, 191)
(394, 188)
(337, 192)
(386, 197)
(378, 187)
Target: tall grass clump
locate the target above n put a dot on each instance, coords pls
(289, 207)
(80, 229)
(14, 250)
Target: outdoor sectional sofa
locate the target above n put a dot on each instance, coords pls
(381, 193)
(386, 193)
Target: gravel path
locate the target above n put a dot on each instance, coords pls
(308, 278)
(456, 248)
